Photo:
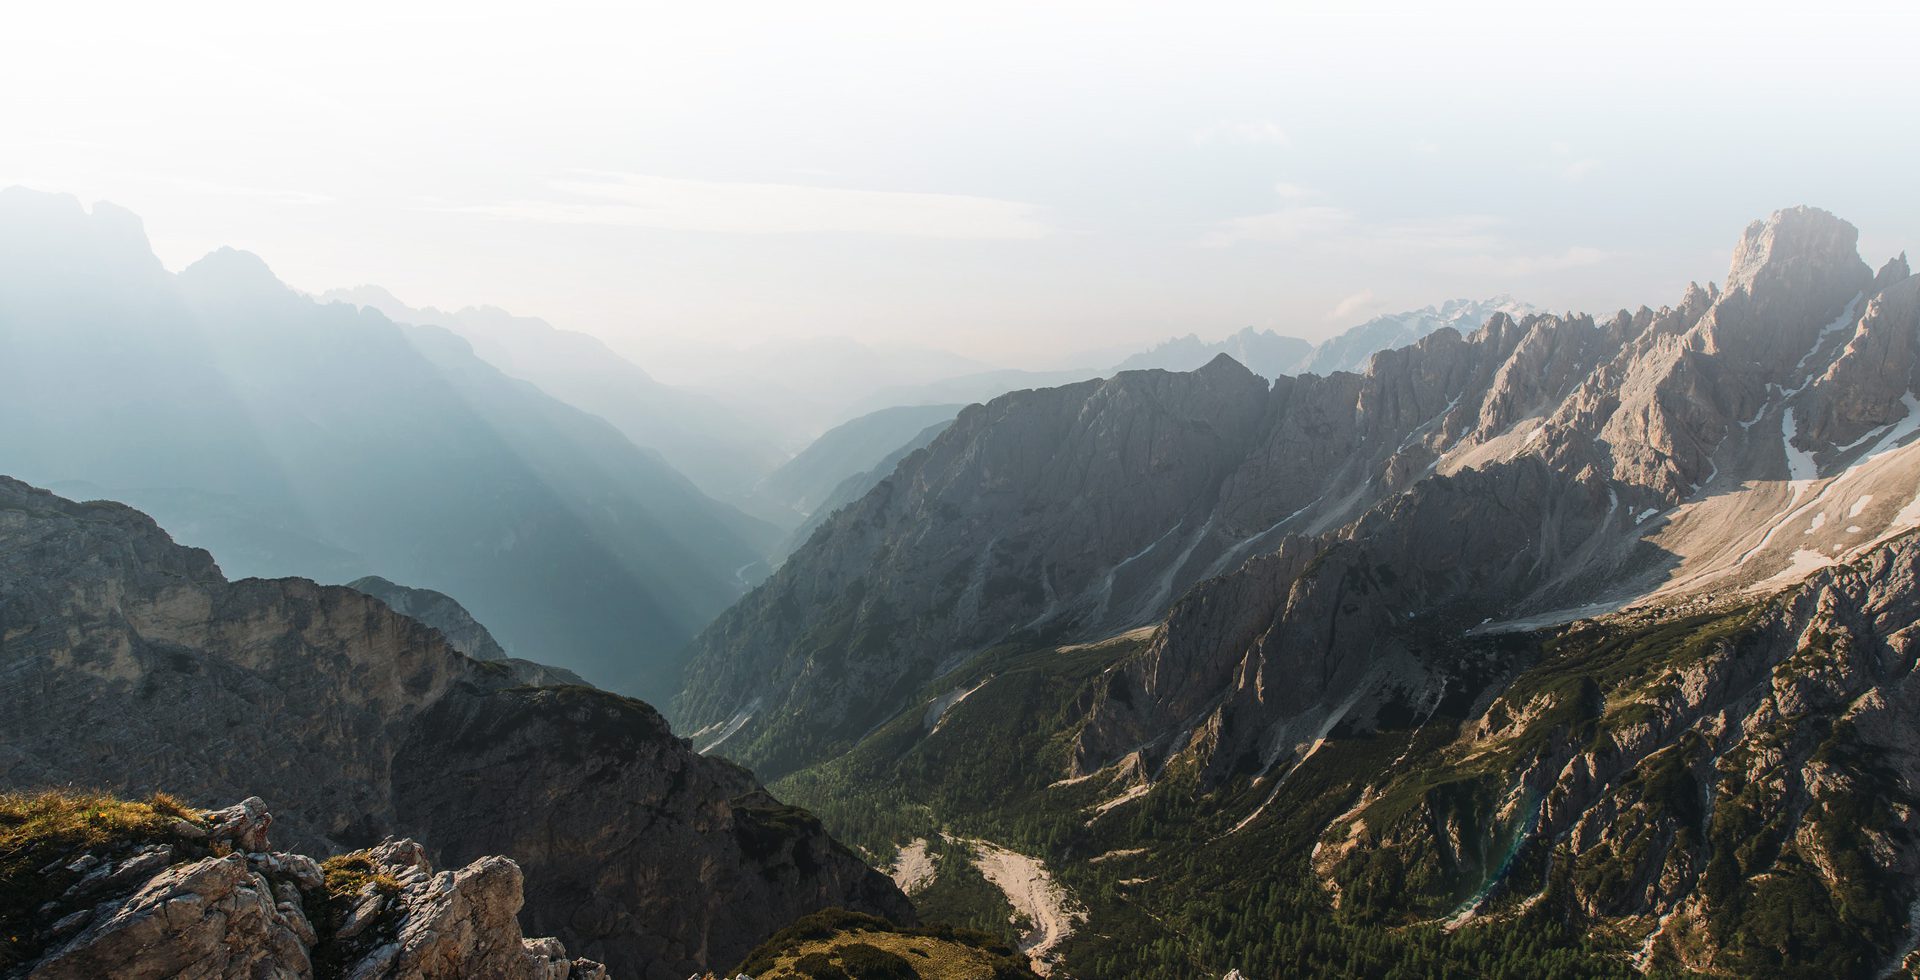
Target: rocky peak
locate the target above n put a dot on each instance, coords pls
(1799, 249)
(438, 610)
(1894, 271)
(1224, 368)
(230, 274)
(1697, 299)
(52, 234)
(1796, 278)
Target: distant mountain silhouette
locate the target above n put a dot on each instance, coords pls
(718, 449)
(292, 437)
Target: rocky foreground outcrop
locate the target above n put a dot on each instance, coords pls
(205, 896)
(130, 663)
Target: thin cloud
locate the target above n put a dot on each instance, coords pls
(1462, 243)
(1579, 169)
(743, 208)
(278, 194)
(1572, 168)
(1575, 257)
(1258, 132)
(1354, 305)
(1288, 224)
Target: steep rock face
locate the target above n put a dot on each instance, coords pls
(807, 482)
(1252, 668)
(212, 900)
(1658, 452)
(1127, 533)
(133, 664)
(461, 630)
(1789, 274)
(758, 863)
(1872, 380)
(438, 610)
(1023, 504)
(856, 486)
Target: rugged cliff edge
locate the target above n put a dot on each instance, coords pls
(142, 891)
(132, 664)
(464, 633)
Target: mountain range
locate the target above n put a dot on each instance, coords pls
(1592, 630)
(1271, 354)
(716, 448)
(1573, 645)
(1568, 444)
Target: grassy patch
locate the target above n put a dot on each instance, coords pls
(348, 874)
(839, 945)
(38, 830)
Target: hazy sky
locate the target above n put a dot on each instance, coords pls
(1013, 181)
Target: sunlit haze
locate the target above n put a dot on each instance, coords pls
(1019, 183)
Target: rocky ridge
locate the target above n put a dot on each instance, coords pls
(1316, 529)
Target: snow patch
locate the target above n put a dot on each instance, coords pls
(1805, 562)
(1801, 469)
(1887, 444)
(1909, 514)
(1860, 505)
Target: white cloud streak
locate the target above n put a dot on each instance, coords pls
(1466, 243)
(742, 208)
(1353, 306)
(1259, 132)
